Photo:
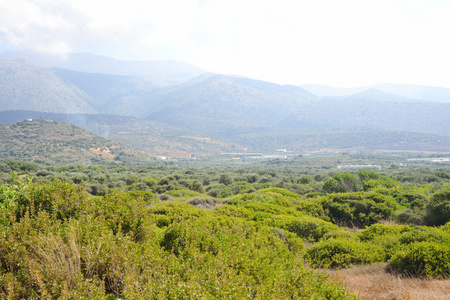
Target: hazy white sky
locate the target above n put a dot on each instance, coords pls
(333, 42)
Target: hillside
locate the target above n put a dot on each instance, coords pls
(152, 138)
(226, 105)
(416, 93)
(27, 86)
(160, 73)
(111, 94)
(378, 95)
(429, 118)
(210, 113)
(38, 140)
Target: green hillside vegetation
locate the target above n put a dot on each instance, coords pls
(184, 233)
(356, 138)
(430, 118)
(163, 139)
(150, 137)
(42, 141)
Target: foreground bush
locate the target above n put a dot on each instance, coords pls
(58, 243)
(425, 259)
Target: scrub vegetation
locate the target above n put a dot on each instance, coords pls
(247, 232)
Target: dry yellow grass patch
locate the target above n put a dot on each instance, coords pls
(373, 282)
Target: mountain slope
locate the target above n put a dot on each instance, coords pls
(378, 95)
(152, 138)
(431, 118)
(214, 113)
(53, 142)
(416, 93)
(27, 86)
(224, 105)
(160, 73)
(111, 94)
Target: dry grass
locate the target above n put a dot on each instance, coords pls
(373, 282)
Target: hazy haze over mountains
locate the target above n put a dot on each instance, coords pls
(413, 93)
(158, 72)
(27, 86)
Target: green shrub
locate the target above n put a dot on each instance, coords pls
(234, 211)
(146, 196)
(379, 230)
(271, 209)
(307, 228)
(411, 198)
(184, 193)
(425, 259)
(445, 227)
(438, 210)
(409, 216)
(150, 182)
(283, 192)
(170, 211)
(359, 209)
(58, 198)
(424, 235)
(337, 253)
(225, 179)
(393, 238)
(340, 234)
(342, 183)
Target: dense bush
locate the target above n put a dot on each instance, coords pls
(342, 183)
(340, 234)
(243, 240)
(438, 210)
(359, 209)
(58, 243)
(307, 228)
(427, 259)
(342, 253)
(379, 230)
(409, 216)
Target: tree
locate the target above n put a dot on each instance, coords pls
(225, 179)
(438, 210)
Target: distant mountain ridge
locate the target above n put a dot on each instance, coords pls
(415, 93)
(378, 95)
(160, 73)
(27, 86)
(210, 113)
(222, 104)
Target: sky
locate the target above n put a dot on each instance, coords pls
(341, 43)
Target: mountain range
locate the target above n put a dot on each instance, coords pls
(180, 109)
(388, 91)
